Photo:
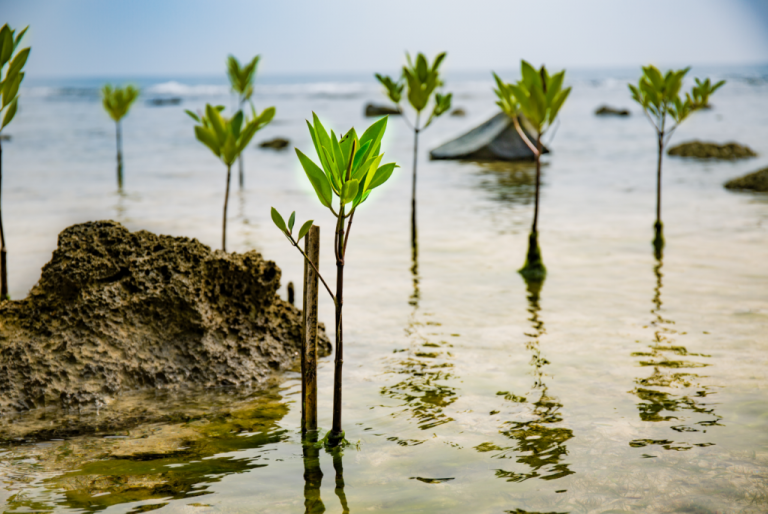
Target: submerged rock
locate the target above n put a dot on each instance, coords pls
(605, 110)
(117, 311)
(705, 150)
(278, 143)
(458, 112)
(756, 181)
(381, 110)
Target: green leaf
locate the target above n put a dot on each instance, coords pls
(304, 230)
(192, 115)
(317, 178)
(207, 137)
(10, 113)
(217, 122)
(291, 221)
(11, 88)
(382, 175)
(236, 123)
(349, 191)
(278, 220)
(19, 36)
(6, 49)
(360, 155)
(530, 77)
(18, 62)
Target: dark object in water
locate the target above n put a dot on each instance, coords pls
(5, 137)
(458, 112)
(380, 110)
(278, 143)
(291, 293)
(605, 110)
(705, 150)
(432, 480)
(157, 102)
(755, 181)
(116, 311)
(494, 140)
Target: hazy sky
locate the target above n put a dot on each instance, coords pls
(171, 37)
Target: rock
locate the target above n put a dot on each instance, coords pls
(756, 181)
(277, 143)
(458, 112)
(116, 311)
(159, 102)
(606, 110)
(705, 150)
(381, 110)
(5, 137)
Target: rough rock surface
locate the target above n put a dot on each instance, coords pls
(381, 110)
(278, 143)
(704, 150)
(756, 181)
(605, 110)
(117, 311)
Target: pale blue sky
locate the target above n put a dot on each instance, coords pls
(192, 37)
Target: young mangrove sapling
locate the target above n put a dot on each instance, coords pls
(538, 97)
(659, 96)
(241, 78)
(117, 102)
(702, 91)
(227, 138)
(423, 81)
(350, 168)
(9, 103)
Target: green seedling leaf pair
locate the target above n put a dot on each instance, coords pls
(422, 80)
(702, 91)
(288, 229)
(242, 77)
(117, 101)
(349, 167)
(228, 137)
(9, 85)
(538, 96)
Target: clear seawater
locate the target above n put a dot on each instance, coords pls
(625, 383)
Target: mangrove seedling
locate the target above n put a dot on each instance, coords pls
(423, 82)
(117, 102)
(9, 103)
(350, 168)
(538, 97)
(702, 91)
(242, 78)
(659, 96)
(227, 138)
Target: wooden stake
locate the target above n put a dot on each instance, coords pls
(309, 340)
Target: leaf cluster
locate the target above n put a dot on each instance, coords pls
(228, 137)
(659, 96)
(702, 91)
(242, 77)
(9, 86)
(117, 101)
(350, 167)
(538, 96)
(422, 80)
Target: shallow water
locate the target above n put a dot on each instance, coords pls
(624, 383)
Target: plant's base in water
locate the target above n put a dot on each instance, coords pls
(658, 239)
(333, 440)
(534, 268)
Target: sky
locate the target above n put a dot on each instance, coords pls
(102, 38)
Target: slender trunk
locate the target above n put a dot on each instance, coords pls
(240, 157)
(535, 226)
(309, 343)
(658, 179)
(313, 476)
(3, 260)
(119, 139)
(224, 222)
(416, 131)
(336, 431)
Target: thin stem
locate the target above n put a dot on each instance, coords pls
(538, 182)
(119, 141)
(349, 227)
(413, 183)
(336, 430)
(240, 157)
(407, 121)
(523, 136)
(226, 202)
(307, 259)
(658, 178)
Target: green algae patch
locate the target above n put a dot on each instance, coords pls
(707, 150)
(755, 181)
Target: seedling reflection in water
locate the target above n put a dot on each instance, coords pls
(350, 169)
(9, 93)
(227, 138)
(117, 102)
(423, 81)
(659, 96)
(538, 96)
